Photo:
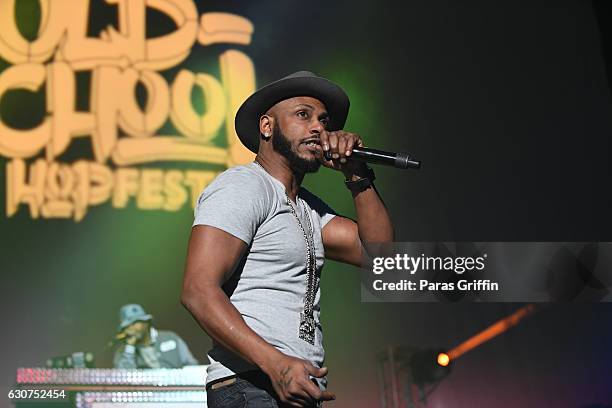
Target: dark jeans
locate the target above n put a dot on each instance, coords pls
(251, 390)
(240, 394)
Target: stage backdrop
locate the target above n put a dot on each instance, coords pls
(115, 115)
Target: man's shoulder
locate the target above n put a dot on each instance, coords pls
(236, 201)
(164, 335)
(242, 175)
(238, 181)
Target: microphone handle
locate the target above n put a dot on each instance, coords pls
(398, 160)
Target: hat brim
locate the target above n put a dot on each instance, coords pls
(333, 97)
(127, 322)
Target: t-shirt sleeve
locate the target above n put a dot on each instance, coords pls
(324, 211)
(235, 202)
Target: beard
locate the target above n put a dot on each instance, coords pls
(282, 145)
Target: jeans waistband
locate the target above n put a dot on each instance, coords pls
(255, 377)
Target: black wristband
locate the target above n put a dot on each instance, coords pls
(363, 183)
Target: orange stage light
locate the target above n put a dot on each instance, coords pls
(490, 332)
(443, 359)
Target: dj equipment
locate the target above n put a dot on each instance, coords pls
(108, 387)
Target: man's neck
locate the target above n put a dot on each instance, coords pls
(278, 167)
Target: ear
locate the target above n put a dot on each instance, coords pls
(266, 124)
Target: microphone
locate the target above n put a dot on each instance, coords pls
(121, 336)
(365, 154)
(117, 339)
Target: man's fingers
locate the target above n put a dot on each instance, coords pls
(295, 404)
(299, 400)
(313, 390)
(333, 144)
(324, 140)
(349, 147)
(327, 396)
(314, 371)
(293, 398)
(342, 142)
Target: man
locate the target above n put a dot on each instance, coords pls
(146, 347)
(258, 244)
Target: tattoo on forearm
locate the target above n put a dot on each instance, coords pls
(284, 382)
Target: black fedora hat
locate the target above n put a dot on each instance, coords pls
(302, 83)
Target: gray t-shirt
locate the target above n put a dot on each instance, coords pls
(269, 285)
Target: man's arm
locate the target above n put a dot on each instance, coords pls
(343, 238)
(125, 357)
(212, 257)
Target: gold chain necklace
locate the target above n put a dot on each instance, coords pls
(307, 322)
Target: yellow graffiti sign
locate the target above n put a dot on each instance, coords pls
(121, 132)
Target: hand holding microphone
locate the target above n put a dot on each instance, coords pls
(343, 146)
(123, 337)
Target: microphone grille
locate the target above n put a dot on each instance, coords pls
(403, 161)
